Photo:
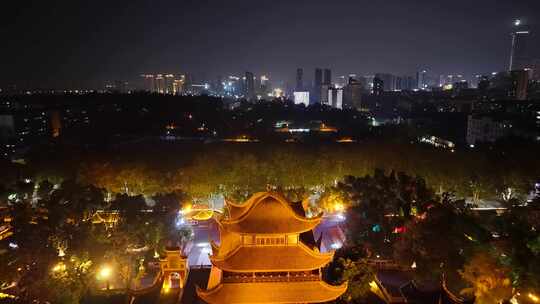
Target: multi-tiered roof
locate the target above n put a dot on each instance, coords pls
(267, 254)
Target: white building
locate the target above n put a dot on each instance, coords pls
(335, 98)
(301, 98)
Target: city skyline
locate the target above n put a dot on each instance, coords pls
(90, 44)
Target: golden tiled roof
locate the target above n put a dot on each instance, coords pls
(272, 258)
(267, 213)
(277, 293)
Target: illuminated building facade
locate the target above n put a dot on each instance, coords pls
(160, 84)
(335, 98)
(169, 84)
(352, 95)
(149, 82)
(301, 98)
(378, 86)
(421, 80)
(268, 254)
(174, 269)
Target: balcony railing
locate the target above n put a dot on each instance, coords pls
(271, 278)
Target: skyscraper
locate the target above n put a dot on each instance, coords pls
(317, 85)
(378, 86)
(250, 86)
(519, 56)
(264, 88)
(169, 87)
(325, 87)
(520, 81)
(160, 84)
(149, 83)
(389, 81)
(335, 98)
(352, 95)
(421, 80)
(327, 77)
(299, 80)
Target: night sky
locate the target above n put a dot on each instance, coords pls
(87, 43)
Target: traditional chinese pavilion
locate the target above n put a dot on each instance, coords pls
(268, 254)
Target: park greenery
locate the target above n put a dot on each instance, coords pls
(237, 170)
(403, 202)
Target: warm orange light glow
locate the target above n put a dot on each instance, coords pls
(203, 215)
(166, 287)
(6, 296)
(104, 273)
(187, 208)
(59, 267)
(345, 140)
(339, 207)
(534, 298)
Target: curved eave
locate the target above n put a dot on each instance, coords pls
(215, 248)
(278, 259)
(289, 227)
(242, 211)
(278, 292)
(236, 210)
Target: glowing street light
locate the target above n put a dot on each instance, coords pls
(517, 22)
(104, 274)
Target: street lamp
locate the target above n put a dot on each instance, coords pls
(104, 274)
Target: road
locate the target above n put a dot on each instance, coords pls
(204, 231)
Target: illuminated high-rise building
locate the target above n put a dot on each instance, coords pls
(149, 82)
(519, 56)
(352, 94)
(335, 98)
(421, 80)
(323, 82)
(160, 84)
(301, 98)
(378, 86)
(178, 85)
(169, 84)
